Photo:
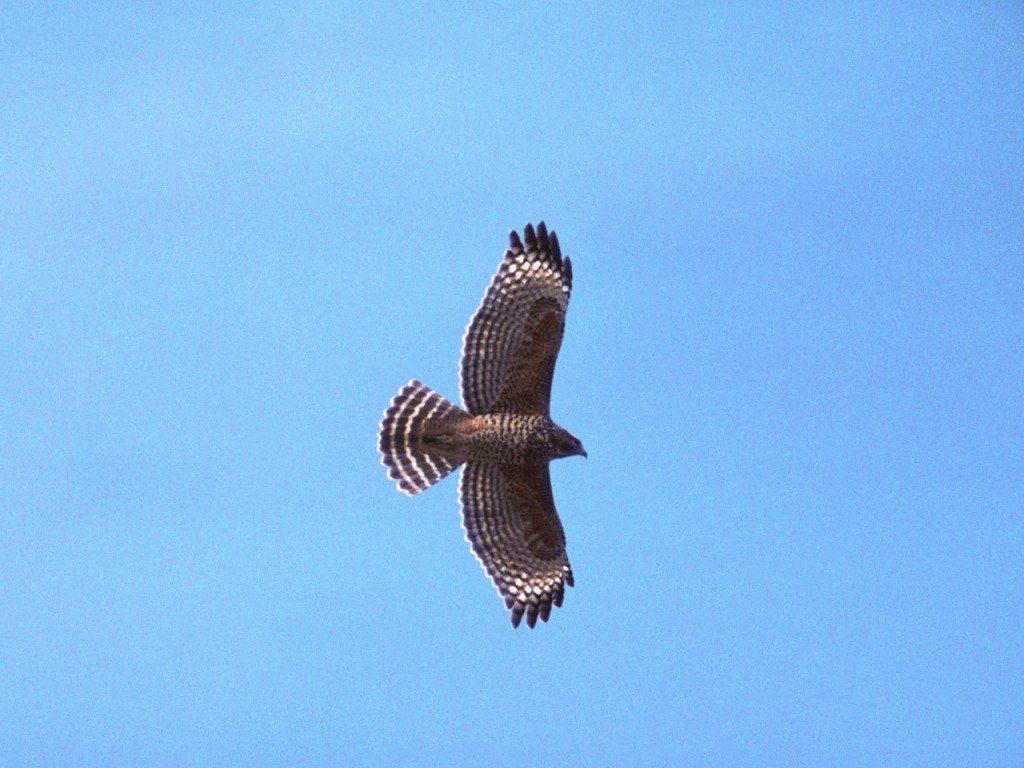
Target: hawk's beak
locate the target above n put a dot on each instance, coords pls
(583, 453)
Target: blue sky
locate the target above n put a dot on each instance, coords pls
(794, 354)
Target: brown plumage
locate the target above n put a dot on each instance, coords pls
(504, 436)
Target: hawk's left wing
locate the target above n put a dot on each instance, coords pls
(512, 342)
(511, 523)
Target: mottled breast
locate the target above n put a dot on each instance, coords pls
(509, 438)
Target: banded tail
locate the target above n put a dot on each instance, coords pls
(417, 417)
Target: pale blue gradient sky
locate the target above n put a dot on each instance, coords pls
(795, 355)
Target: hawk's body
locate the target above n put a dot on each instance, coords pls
(501, 438)
(504, 437)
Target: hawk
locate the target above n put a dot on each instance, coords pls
(503, 436)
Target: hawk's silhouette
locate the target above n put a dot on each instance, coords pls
(504, 436)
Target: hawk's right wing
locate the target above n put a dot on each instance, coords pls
(512, 341)
(511, 523)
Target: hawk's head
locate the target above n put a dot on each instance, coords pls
(566, 444)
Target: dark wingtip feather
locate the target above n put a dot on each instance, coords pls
(556, 251)
(559, 595)
(514, 243)
(545, 610)
(542, 237)
(517, 614)
(531, 615)
(530, 237)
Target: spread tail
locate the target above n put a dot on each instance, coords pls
(413, 429)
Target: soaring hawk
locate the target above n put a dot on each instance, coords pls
(503, 437)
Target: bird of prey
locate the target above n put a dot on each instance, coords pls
(503, 436)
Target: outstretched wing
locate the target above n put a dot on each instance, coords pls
(511, 524)
(512, 341)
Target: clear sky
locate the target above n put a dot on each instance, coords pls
(795, 354)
